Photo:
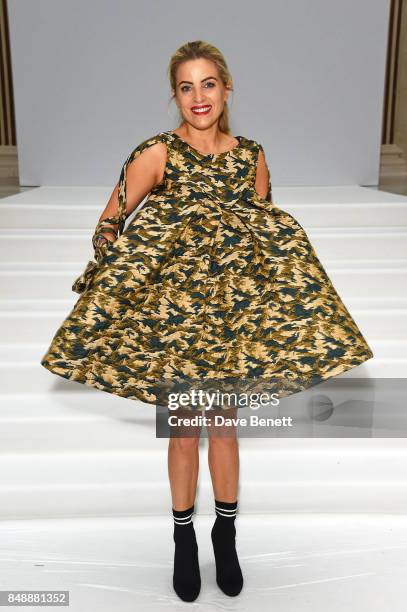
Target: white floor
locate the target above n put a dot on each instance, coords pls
(290, 563)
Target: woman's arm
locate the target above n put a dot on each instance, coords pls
(141, 175)
(263, 183)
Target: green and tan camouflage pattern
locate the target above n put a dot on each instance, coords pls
(207, 281)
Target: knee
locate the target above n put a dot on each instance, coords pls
(223, 442)
(184, 445)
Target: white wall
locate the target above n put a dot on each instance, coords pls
(90, 82)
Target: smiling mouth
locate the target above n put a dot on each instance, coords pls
(201, 110)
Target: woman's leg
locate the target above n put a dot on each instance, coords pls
(183, 466)
(223, 458)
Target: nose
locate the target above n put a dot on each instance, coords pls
(198, 97)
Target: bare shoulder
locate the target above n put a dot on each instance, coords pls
(153, 148)
(150, 158)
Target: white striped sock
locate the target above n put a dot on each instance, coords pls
(183, 517)
(227, 512)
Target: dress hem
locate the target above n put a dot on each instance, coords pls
(137, 395)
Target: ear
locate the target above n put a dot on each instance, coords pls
(175, 99)
(229, 88)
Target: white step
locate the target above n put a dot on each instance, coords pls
(329, 243)
(118, 496)
(59, 457)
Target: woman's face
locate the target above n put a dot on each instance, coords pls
(199, 87)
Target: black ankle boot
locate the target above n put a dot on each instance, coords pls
(228, 572)
(186, 577)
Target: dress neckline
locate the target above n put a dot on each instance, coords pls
(211, 155)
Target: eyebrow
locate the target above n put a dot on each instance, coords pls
(205, 79)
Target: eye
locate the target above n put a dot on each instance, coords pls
(210, 84)
(184, 87)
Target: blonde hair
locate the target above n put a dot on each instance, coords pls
(201, 49)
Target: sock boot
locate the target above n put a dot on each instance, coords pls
(228, 572)
(186, 577)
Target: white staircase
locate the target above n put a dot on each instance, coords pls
(69, 450)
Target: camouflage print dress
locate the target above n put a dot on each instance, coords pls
(208, 280)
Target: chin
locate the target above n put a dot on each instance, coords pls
(202, 122)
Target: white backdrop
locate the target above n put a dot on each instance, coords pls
(90, 83)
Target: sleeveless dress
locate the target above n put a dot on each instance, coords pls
(208, 281)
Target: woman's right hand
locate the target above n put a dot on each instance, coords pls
(101, 243)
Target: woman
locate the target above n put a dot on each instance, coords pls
(209, 280)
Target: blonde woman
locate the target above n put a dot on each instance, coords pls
(209, 279)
